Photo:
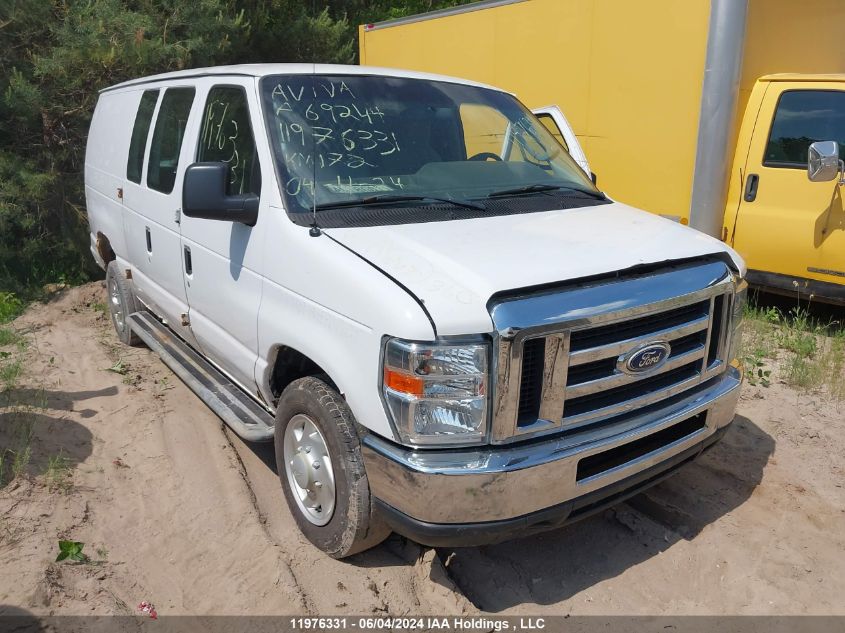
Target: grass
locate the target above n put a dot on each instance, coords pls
(58, 474)
(8, 336)
(15, 461)
(795, 347)
(10, 372)
(16, 454)
(119, 367)
(10, 306)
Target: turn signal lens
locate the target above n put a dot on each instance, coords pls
(403, 383)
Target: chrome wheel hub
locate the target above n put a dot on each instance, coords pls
(116, 306)
(308, 468)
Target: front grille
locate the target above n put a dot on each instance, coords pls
(614, 332)
(573, 374)
(608, 400)
(716, 327)
(619, 456)
(532, 375)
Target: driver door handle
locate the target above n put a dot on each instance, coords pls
(751, 187)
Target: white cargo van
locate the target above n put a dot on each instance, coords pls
(409, 284)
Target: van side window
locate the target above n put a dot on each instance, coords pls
(804, 117)
(548, 121)
(226, 137)
(140, 130)
(167, 138)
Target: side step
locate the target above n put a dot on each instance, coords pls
(243, 415)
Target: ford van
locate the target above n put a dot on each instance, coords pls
(410, 286)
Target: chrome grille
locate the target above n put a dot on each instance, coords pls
(559, 352)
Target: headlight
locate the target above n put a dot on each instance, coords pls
(436, 393)
(737, 310)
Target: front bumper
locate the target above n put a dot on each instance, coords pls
(476, 496)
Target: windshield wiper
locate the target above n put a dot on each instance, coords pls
(540, 187)
(388, 198)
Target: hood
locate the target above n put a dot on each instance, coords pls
(455, 267)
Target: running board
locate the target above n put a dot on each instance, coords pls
(240, 412)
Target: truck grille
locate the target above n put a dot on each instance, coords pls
(571, 371)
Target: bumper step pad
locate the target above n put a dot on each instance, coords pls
(238, 410)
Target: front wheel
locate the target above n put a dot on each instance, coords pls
(321, 469)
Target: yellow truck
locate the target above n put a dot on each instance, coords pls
(703, 111)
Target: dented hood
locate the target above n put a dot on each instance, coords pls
(455, 267)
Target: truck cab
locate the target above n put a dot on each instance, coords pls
(789, 228)
(706, 135)
(413, 289)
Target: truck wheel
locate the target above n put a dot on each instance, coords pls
(319, 460)
(121, 302)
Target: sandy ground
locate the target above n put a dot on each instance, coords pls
(175, 510)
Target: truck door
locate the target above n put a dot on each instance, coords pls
(556, 123)
(792, 231)
(222, 258)
(152, 197)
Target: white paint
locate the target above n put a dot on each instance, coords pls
(257, 289)
(262, 70)
(568, 135)
(455, 267)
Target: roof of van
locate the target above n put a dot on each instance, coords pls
(804, 77)
(260, 70)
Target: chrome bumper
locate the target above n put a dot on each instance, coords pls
(470, 486)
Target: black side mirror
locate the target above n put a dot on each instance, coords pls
(204, 196)
(594, 178)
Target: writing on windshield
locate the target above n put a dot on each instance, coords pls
(338, 138)
(324, 129)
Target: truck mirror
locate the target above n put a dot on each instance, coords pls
(204, 195)
(823, 163)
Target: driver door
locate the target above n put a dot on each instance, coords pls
(221, 259)
(791, 231)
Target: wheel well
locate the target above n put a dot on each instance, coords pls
(104, 248)
(291, 365)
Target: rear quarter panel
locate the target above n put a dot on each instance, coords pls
(105, 166)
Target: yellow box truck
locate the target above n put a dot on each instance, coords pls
(700, 110)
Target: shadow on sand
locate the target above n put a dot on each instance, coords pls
(32, 429)
(550, 567)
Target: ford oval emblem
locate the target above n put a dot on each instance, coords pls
(645, 358)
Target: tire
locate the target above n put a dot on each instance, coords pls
(121, 302)
(351, 526)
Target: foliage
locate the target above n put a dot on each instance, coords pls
(58, 473)
(10, 306)
(56, 56)
(795, 347)
(71, 550)
(8, 336)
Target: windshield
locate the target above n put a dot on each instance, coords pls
(344, 139)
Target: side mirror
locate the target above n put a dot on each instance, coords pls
(823, 162)
(204, 196)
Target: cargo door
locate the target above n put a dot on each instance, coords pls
(559, 127)
(791, 231)
(152, 198)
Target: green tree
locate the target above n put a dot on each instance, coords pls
(57, 54)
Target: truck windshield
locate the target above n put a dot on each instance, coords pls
(380, 141)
